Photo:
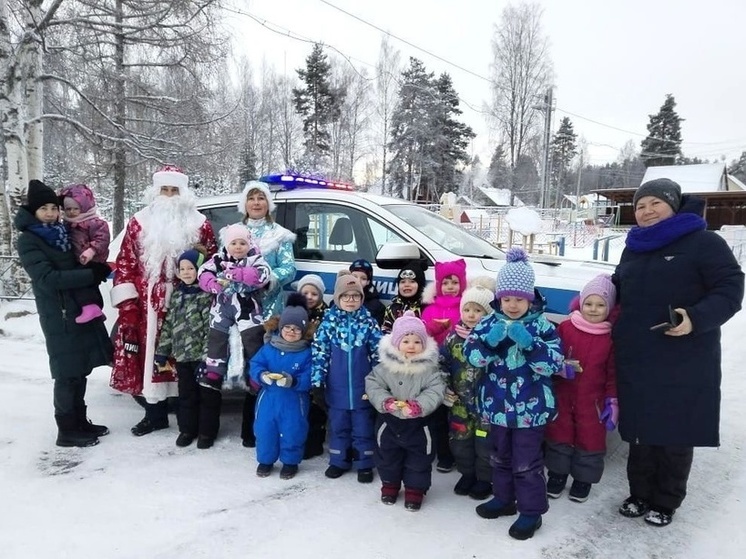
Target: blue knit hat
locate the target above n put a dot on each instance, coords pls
(362, 265)
(516, 278)
(194, 256)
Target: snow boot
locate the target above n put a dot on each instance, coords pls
(556, 485)
(87, 426)
(413, 498)
(525, 526)
(263, 470)
(659, 516)
(69, 433)
(184, 439)
(495, 508)
(579, 491)
(389, 493)
(365, 475)
(145, 427)
(481, 490)
(288, 471)
(334, 472)
(633, 507)
(88, 313)
(464, 485)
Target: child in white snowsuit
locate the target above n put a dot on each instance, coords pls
(236, 275)
(405, 387)
(282, 367)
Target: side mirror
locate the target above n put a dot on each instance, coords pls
(393, 256)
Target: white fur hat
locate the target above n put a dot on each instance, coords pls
(255, 185)
(170, 175)
(314, 280)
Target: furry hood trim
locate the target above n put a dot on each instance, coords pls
(390, 357)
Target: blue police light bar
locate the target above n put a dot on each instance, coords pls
(289, 182)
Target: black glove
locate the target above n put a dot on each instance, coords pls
(100, 271)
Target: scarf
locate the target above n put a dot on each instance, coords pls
(54, 234)
(598, 329)
(282, 345)
(83, 216)
(663, 233)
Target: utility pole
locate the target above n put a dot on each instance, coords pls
(546, 167)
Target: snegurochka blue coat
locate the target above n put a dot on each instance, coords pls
(516, 391)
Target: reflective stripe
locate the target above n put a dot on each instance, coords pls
(428, 440)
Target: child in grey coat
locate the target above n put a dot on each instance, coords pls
(405, 387)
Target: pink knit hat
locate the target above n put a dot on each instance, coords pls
(602, 286)
(453, 268)
(233, 232)
(408, 323)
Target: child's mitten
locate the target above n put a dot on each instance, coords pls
(248, 275)
(412, 409)
(497, 333)
(610, 414)
(520, 335)
(389, 405)
(285, 380)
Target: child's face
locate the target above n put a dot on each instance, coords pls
(471, 314)
(514, 307)
(72, 209)
(312, 295)
(350, 301)
(291, 333)
(411, 345)
(450, 285)
(187, 272)
(363, 277)
(238, 248)
(407, 287)
(48, 213)
(594, 309)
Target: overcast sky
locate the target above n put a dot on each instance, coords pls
(614, 62)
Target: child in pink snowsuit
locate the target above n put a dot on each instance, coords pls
(443, 312)
(90, 238)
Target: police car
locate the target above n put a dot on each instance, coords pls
(335, 225)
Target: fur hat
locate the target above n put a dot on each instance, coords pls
(481, 291)
(255, 185)
(346, 283)
(236, 231)
(295, 313)
(602, 286)
(39, 194)
(362, 265)
(170, 175)
(80, 194)
(663, 189)
(516, 278)
(408, 323)
(453, 268)
(313, 280)
(196, 257)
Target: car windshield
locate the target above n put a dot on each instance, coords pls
(446, 233)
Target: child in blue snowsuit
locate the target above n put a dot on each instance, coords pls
(282, 368)
(344, 352)
(521, 350)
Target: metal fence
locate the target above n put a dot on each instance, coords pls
(14, 282)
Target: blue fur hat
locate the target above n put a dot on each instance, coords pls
(516, 278)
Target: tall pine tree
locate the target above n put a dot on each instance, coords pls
(318, 103)
(663, 143)
(563, 149)
(498, 174)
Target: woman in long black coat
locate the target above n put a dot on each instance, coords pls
(73, 349)
(669, 378)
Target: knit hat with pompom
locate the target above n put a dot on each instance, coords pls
(516, 278)
(481, 291)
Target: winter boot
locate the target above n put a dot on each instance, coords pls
(69, 433)
(481, 490)
(659, 516)
(88, 313)
(525, 526)
(365, 475)
(556, 484)
(85, 424)
(288, 471)
(495, 508)
(333, 472)
(263, 470)
(389, 493)
(464, 485)
(145, 427)
(413, 498)
(579, 491)
(633, 507)
(205, 442)
(184, 439)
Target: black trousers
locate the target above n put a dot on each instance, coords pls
(199, 407)
(69, 395)
(440, 430)
(659, 474)
(253, 340)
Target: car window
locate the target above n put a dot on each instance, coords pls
(334, 232)
(221, 216)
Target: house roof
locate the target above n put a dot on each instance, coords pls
(706, 177)
(498, 196)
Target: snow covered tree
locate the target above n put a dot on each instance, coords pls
(387, 71)
(662, 146)
(562, 151)
(318, 103)
(498, 174)
(521, 72)
(737, 168)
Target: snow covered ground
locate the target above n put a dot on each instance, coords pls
(144, 497)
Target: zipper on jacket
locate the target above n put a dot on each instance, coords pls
(349, 365)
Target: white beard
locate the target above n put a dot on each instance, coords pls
(170, 225)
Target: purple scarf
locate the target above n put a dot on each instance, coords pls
(663, 233)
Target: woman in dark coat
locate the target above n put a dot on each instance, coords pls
(669, 378)
(74, 349)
